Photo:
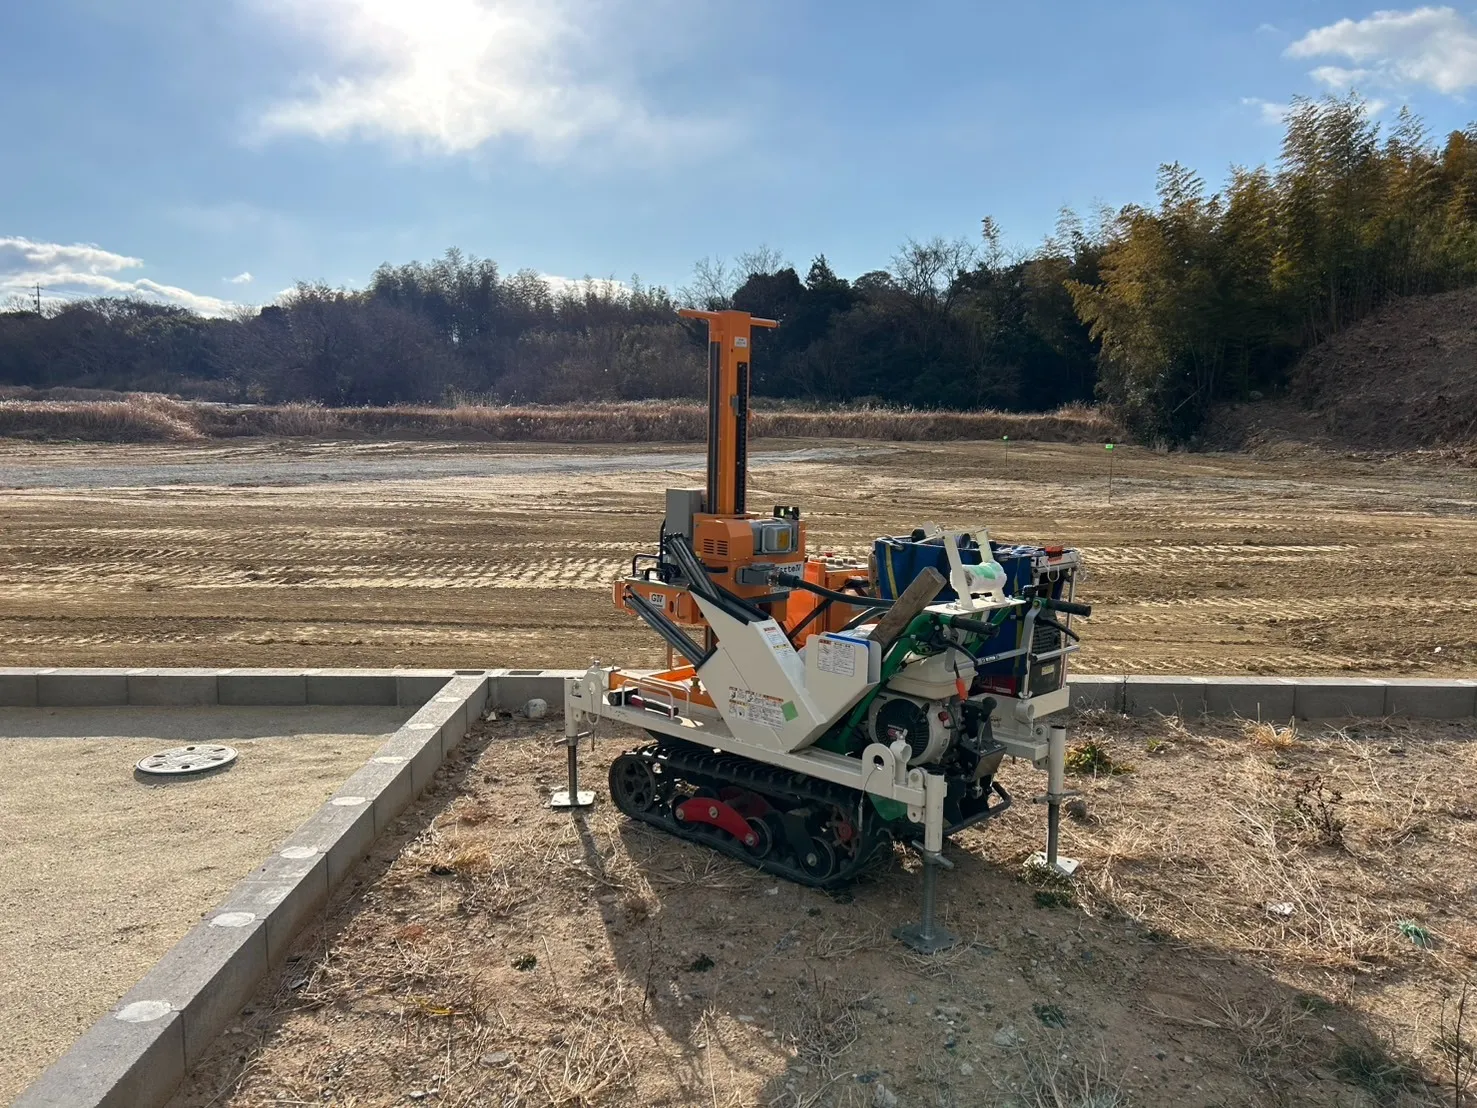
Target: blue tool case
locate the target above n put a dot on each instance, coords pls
(1037, 666)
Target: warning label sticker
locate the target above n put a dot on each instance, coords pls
(776, 636)
(837, 657)
(746, 704)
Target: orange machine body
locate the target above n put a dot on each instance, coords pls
(726, 536)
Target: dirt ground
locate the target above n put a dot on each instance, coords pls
(436, 554)
(100, 873)
(1261, 918)
(1400, 379)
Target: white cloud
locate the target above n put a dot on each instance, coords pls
(452, 75)
(1271, 113)
(1267, 29)
(602, 286)
(65, 272)
(239, 279)
(1337, 77)
(1435, 47)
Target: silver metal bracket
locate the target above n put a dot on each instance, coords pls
(926, 936)
(572, 798)
(1064, 866)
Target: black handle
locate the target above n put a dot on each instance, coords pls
(1071, 607)
(978, 626)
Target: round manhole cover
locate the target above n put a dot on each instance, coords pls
(185, 760)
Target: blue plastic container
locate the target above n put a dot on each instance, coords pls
(899, 560)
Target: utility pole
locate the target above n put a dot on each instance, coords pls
(38, 298)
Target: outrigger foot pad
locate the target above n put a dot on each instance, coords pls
(926, 940)
(926, 936)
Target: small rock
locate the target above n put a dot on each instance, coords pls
(496, 1058)
(883, 1097)
(418, 1094)
(948, 1011)
(966, 1070)
(1007, 1037)
(912, 998)
(746, 1019)
(772, 892)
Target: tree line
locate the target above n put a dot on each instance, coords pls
(1161, 311)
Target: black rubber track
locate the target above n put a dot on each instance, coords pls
(674, 763)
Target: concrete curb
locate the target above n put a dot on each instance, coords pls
(108, 688)
(1277, 698)
(137, 1054)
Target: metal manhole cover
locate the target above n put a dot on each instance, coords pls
(185, 760)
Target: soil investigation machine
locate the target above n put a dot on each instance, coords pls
(826, 708)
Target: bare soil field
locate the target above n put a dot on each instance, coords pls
(1262, 918)
(460, 555)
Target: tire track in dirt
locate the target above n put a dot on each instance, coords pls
(1220, 565)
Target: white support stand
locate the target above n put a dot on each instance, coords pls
(571, 798)
(1056, 792)
(926, 936)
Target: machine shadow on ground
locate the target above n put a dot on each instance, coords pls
(493, 952)
(1040, 1003)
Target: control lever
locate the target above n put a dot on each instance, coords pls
(1071, 607)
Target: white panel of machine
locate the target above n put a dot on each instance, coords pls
(838, 670)
(758, 683)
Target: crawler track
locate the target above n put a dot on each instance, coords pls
(810, 832)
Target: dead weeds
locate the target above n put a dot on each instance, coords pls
(1214, 949)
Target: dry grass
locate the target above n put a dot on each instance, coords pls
(497, 953)
(1328, 856)
(152, 418)
(140, 418)
(1269, 736)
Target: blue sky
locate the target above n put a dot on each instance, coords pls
(173, 148)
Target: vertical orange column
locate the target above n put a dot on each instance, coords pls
(728, 406)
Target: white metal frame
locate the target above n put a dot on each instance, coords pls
(882, 771)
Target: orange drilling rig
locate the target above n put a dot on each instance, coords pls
(740, 550)
(830, 708)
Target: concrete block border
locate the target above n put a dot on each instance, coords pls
(1278, 698)
(137, 1054)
